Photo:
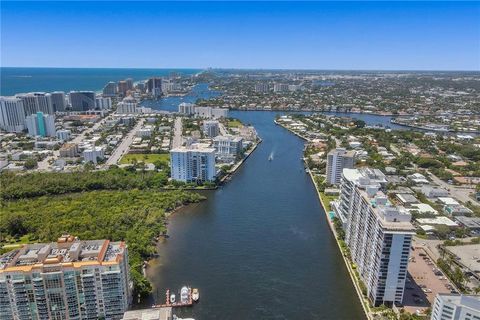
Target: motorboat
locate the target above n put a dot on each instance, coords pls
(184, 294)
(172, 298)
(195, 295)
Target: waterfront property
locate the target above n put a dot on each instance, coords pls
(194, 163)
(379, 237)
(337, 160)
(67, 279)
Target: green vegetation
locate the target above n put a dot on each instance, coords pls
(16, 186)
(234, 123)
(132, 158)
(134, 216)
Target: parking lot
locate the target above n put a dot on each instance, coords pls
(424, 281)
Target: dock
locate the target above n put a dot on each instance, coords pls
(177, 304)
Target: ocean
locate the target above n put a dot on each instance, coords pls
(19, 80)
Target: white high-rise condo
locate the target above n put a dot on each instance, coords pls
(337, 160)
(40, 124)
(193, 164)
(379, 237)
(228, 148)
(128, 106)
(67, 279)
(456, 307)
(211, 128)
(34, 102)
(186, 108)
(12, 114)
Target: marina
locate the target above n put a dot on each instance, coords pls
(188, 297)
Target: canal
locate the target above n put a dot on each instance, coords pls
(258, 247)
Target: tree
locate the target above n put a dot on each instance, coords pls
(30, 163)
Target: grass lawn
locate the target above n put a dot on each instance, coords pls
(327, 199)
(145, 157)
(234, 124)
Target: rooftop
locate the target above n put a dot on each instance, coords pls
(67, 251)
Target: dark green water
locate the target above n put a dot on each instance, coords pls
(259, 247)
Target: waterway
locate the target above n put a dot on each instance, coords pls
(258, 247)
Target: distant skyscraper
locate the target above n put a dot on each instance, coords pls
(337, 160)
(40, 124)
(36, 101)
(186, 108)
(280, 87)
(66, 279)
(103, 103)
(128, 105)
(82, 100)
(192, 164)
(58, 101)
(129, 82)
(122, 87)
(154, 86)
(12, 114)
(378, 235)
(110, 89)
(228, 148)
(262, 87)
(456, 307)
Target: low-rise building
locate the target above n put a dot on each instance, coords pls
(456, 307)
(69, 150)
(93, 154)
(211, 128)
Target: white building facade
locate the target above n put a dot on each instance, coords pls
(456, 307)
(337, 160)
(211, 128)
(379, 237)
(12, 114)
(228, 148)
(40, 124)
(193, 164)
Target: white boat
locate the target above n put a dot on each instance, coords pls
(195, 295)
(184, 295)
(172, 298)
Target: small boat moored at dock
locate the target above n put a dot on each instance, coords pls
(195, 295)
(172, 298)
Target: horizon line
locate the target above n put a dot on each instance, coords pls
(251, 69)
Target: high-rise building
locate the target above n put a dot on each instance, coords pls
(127, 106)
(280, 87)
(379, 236)
(129, 82)
(34, 102)
(67, 279)
(82, 100)
(110, 89)
(103, 103)
(193, 164)
(211, 128)
(186, 108)
(154, 86)
(337, 160)
(40, 124)
(12, 114)
(456, 307)
(228, 148)
(58, 101)
(262, 87)
(122, 88)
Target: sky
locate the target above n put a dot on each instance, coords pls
(266, 35)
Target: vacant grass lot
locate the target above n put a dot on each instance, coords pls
(145, 157)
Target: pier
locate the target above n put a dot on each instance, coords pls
(178, 304)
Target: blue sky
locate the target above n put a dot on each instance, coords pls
(284, 35)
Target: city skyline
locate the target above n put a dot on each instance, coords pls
(441, 36)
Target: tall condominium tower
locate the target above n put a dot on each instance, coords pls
(40, 124)
(337, 160)
(67, 279)
(456, 307)
(12, 114)
(58, 101)
(379, 236)
(36, 101)
(82, 100)
(193, 164)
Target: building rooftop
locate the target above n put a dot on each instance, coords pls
(67, 251)
(469, 301)
(149, 314)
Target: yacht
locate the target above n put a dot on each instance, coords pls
(184, 295)
(195, 295)
(172, 298)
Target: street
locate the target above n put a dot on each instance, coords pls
(177, 133)
(124, 145)
(461, 194)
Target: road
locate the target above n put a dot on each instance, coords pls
(124, 145)
(44, 164)
(460, 194)
(177, 133)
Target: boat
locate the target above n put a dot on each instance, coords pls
(184, 295)
(172, 298)
(195, 295)
(270, 158)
